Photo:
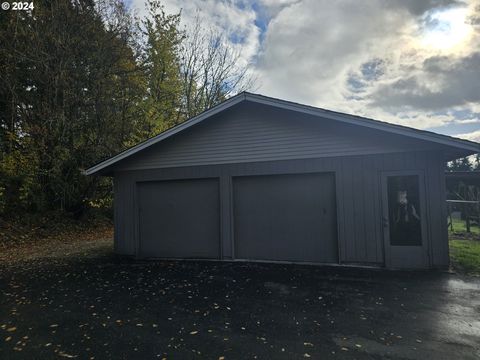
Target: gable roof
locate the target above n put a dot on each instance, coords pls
(460, 144)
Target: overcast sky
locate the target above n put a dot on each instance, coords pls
(411, 62)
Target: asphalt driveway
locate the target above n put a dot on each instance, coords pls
(104, 307)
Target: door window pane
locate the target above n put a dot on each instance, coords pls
(404, 210)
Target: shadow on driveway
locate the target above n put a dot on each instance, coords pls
(106, 307)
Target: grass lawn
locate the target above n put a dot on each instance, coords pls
(465, 255)
(465, 247)
(459, 226)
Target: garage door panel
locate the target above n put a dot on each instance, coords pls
(179, 219)
(285, 218)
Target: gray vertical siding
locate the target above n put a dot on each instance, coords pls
(118, 207)
(358, 196)
(124, 215)
(438, 211)
(253, 132)
(226, 216)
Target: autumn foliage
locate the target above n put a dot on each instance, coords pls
(83, 80)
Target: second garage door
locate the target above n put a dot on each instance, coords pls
(285, 218)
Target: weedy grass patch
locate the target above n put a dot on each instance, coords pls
(465, 255)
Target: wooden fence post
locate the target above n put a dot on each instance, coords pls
(467, 217)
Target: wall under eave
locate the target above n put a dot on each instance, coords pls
(358, 194)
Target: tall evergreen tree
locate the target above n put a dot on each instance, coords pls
(161, 65)
(62, 68)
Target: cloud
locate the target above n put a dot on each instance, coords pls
(233, 19)
(312, 46)
(370, 58)
(472, 136)
(419, 7)
(383, 59)
(441, 82)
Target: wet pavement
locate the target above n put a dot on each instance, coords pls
(112, 308)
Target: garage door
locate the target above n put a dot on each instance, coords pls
(285, 218)
(179, 219)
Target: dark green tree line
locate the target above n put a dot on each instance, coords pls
(81, 80)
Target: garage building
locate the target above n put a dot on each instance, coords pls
(262, 179)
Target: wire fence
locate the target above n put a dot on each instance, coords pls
(464, 217)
